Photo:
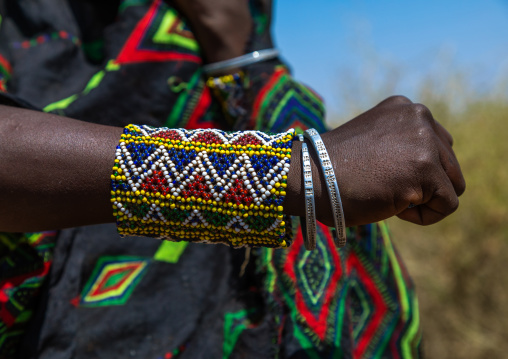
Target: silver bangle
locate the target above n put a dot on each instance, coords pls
(240, 61)
(339, 232)
(308, 223)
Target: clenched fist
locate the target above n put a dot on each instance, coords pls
(394, 159)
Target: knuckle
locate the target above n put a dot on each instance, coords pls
(421, 112)
(453, 204)
(426, 163)
(461, 188)
(399, 100)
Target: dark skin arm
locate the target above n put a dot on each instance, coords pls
(55, 171)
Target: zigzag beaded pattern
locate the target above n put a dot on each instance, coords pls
(202, 185)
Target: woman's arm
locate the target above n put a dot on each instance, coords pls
(54, 171)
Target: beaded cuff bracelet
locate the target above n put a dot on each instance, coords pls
(202, 185)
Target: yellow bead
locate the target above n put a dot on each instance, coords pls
(280, 208)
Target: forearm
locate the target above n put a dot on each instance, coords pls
(54, 171)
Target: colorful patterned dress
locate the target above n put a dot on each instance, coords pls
(86, 293)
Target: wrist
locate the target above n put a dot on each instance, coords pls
(221, 40)
(294, 203)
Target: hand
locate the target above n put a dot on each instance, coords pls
(386, 159)
(221, 27)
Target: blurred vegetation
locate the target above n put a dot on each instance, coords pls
(458, 265)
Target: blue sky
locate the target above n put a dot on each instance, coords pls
(322, 39)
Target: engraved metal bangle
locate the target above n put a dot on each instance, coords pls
(339, 233)
(308, 223)
(240, 61)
